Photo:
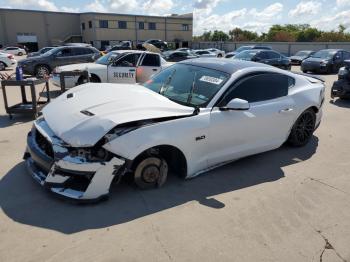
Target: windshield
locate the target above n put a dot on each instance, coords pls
(187, 84)
(246, 55)
(324, 54)
(243, 48)
(302, 53)
(106, 59)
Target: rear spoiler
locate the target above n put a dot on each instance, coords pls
(310, 76)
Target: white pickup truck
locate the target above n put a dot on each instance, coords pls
(122, 66)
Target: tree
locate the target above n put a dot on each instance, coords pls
(219, 36)
(237, 34)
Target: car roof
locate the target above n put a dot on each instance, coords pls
(131, 51)
(224, 65)
(331, 50)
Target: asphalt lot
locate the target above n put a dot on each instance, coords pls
(290, 204)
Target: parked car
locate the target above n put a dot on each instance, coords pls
(184, 49)
(192, 116)
(300, 56)
(14, 50)
(40, 52)
(341, 87)
(64, 55)
(218, 52)
(7, 60)
(247, 47)
(123, 66)
(268, 57)
(160, 44)
(204, 53)
(123, 45)
(177, 56)
(325, 61)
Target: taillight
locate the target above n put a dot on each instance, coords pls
(10, 56)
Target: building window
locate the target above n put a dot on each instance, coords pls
(90, 24)
(83, 26)
(185, 27)
(152, 26)
(103, 23)
(141, 25)
(122, 24)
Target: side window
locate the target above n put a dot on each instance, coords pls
(273, 55)
(129, 60)
(65, 52)
(78, 51)
(262, 55)
(260, 88)
(346, 55)
(151, 60)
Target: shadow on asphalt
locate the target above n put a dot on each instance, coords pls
(17, 119)
(341, 102)
(23, 201)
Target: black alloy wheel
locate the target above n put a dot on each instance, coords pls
(303, 129)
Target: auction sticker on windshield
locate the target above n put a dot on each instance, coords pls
(212, 80)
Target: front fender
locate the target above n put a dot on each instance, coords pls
(180, 133)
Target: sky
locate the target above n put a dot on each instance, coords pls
(257, 15)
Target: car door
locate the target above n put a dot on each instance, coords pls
(264, 126)
(65, 56)
(123, 70)
(149, 65)
(83, 55)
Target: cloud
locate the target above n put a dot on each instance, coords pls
(96, 6)
(305, 9)
(267, 13)
(158, 6)
(205, 6)
(332, 22)
(35, 4)
(342, 3)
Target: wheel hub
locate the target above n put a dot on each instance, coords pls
(150, 174)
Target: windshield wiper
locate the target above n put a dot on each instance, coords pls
(165, 86)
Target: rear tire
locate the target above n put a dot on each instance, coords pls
(303, 129)
(41, 71)
(2, 66)
(20, 53)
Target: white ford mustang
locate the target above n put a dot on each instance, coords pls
(192, 116)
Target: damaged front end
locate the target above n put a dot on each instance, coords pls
(75, 173)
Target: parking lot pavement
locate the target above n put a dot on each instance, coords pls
(291, 204)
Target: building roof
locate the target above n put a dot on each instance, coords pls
(188, 16)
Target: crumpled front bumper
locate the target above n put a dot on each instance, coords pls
(70, 177)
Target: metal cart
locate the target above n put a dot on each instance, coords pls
(32, 107)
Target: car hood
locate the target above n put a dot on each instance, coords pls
(82, 66)
(298, 57)
(84, 114)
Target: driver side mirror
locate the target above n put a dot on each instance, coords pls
(236, 104)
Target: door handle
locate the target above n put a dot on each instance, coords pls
(286, 110)
(155, 69)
